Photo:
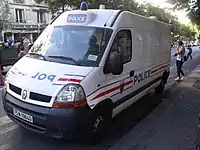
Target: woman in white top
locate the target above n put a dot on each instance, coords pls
(180, 60)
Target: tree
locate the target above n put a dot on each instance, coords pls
(178, 30)
(56, 5)
(185, 32)
(191, 6)
(5, 16)
(131, 5)
(160, 13)
(195, 29)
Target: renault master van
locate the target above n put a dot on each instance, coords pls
(87, 66)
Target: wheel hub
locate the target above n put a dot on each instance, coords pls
(96, 124)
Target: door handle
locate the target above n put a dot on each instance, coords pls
(132, 73)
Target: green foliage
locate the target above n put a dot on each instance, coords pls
(177, 29)
(191, 6)
(5, 16)
(55, 5)
(117, 4)
(195, 29)
(186, 32)
(160, 13)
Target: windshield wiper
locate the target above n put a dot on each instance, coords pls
(66, 58)
(36, 54)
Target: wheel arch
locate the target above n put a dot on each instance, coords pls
(105, 107)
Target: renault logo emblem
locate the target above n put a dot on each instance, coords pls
(24, 94)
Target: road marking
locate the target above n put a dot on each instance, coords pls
(5, 147)
(6, 130)
(5, 120)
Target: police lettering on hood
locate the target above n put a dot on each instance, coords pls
(141, 76)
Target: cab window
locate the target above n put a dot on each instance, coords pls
(123, 45)
(74, 45)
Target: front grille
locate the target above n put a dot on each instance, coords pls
(33, 96)
(15, 89)
(40, 97)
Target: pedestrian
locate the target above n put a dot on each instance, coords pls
(180, 60)
(10, 43)
(24, 46)
(25, 43)
(190, 52)
(21, 51)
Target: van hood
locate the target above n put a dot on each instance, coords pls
(44, 77)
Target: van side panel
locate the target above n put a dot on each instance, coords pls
(150, 52)
(151, 39)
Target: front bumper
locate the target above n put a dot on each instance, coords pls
(70, 123)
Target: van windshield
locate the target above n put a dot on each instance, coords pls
(73, 45)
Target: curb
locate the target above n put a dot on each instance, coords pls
(187, 76)
(193, 76)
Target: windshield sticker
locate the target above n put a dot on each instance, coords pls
(92, 57)
(76, 18)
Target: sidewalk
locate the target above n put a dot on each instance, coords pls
(6, 69)
(172, 125)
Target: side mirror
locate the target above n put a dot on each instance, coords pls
(116, 64)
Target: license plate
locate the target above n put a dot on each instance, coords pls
(23, 116)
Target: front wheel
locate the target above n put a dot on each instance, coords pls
(99, 128)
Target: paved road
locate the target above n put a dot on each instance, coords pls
(13, 137)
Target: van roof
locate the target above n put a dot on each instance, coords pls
(90, 17)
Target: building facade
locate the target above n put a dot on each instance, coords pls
(29, 18)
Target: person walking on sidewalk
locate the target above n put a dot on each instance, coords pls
(24, 46)
(180, 60)
(190, 52)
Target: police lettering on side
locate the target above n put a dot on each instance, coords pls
(139, 77)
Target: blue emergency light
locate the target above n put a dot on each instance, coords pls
(84, 6)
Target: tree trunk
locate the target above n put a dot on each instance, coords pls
(1, 37)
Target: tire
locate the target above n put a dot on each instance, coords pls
(161, 87)
(100, 122)
(99, 126)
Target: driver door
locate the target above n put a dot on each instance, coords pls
(119, 86)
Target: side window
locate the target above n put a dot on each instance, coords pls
(123, 45)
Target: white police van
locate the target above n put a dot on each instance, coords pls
(85, 68)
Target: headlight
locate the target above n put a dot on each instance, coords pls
(71, 95)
